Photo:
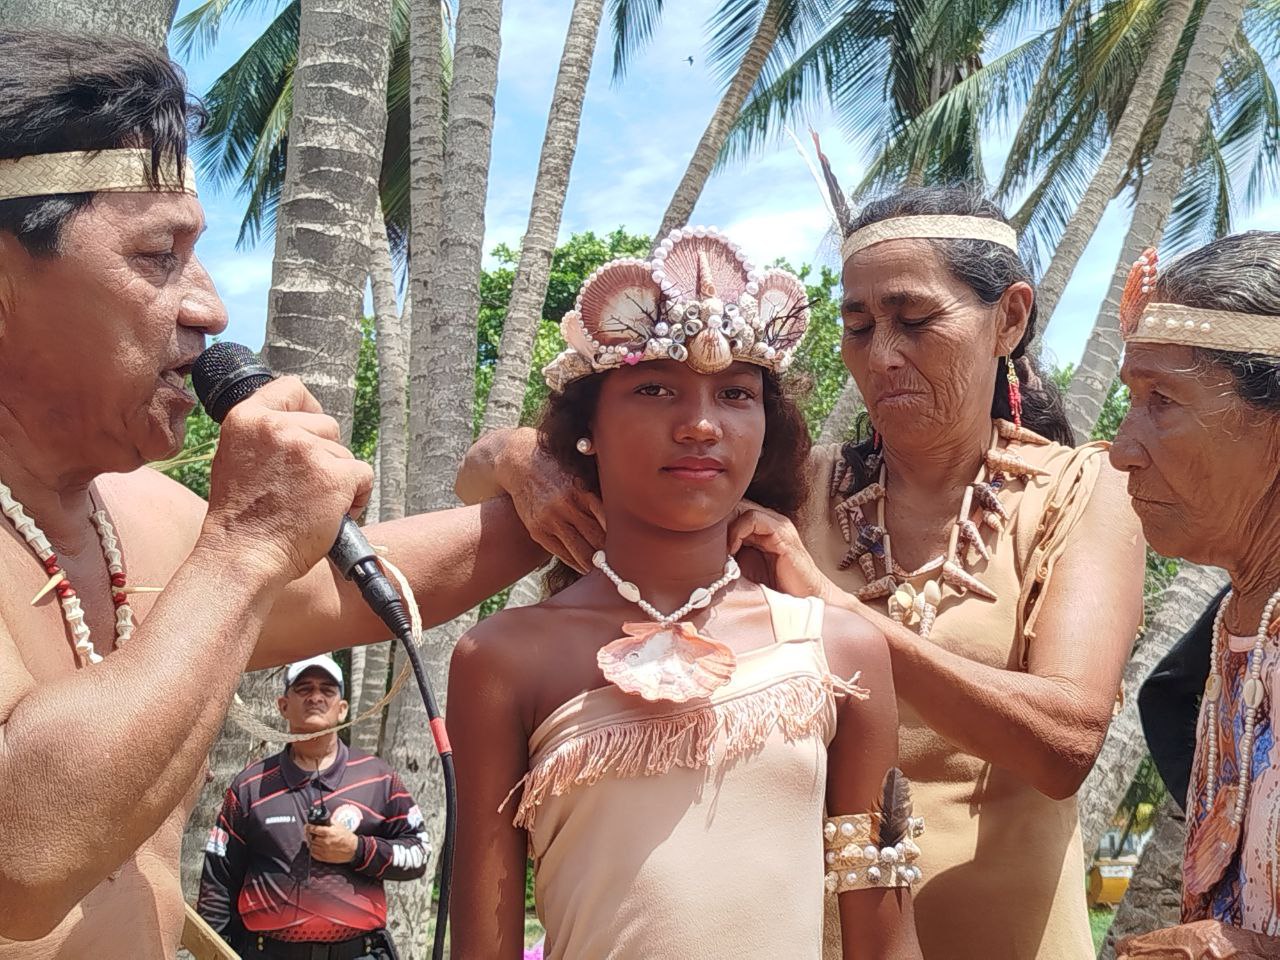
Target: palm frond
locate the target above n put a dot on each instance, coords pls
(196, 33)
(633, 24)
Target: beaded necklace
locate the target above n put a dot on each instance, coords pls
(61, 585)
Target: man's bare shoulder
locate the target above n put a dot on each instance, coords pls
(146, 499)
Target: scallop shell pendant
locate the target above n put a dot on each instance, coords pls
(1002, 461)
(1011, 431)
(671, 662)
(708, 352)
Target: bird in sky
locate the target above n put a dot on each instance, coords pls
(690, 60)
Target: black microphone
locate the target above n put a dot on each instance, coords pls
(227, 373)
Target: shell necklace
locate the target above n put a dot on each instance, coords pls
(58, 582)
(666, 658)
(869, 542)
(1215, 842)
(1252, 694)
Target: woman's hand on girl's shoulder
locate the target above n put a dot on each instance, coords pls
(773, 541)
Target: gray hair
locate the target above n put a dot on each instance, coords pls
(1241, 274)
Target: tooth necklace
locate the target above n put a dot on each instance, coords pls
(58, 582)
(666, 659)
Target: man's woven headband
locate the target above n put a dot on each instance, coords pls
(930, 228)
(92, 171)
(1143, 320)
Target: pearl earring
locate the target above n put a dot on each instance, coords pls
(585, 446)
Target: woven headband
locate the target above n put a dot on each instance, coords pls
(1143, 320)
(92, 171)
(930, 228)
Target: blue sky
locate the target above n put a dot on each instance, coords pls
(635, 141)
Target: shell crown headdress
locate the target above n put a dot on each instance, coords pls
(698, 300)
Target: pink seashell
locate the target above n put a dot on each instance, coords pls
(666, 662)
(620, 303)
(784, 309)
(700, 267)
(632, 359)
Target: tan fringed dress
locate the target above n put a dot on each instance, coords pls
(689, 831)
(1003, 864)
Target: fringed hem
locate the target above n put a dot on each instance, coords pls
(653, 746)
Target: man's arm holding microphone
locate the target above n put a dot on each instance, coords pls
(121, 744)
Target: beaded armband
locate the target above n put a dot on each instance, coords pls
(855, 862)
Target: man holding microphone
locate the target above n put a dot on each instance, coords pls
(111, 699)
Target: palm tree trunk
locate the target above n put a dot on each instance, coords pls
(1181, 603)
(1154, 897)
(529, 289)
(448, 357)
(839, 422)
(1173, 154)
(1110, 173)
(369, 683)
(426, 184)
(717, 132)
(336, 136)
(144, 20)
(393, 375)
(232, 752)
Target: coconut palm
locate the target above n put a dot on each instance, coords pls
(506, 396)
(1172, 164)
(331, 184)
(1135, 64)
(448, 352)
(246, 139)
(145, 20)
(1177, 608)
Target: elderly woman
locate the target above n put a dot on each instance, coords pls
(1201, 445)
(1005, 568)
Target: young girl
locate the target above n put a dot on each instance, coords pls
(665, 736)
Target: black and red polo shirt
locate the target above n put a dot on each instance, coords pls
(258, 872)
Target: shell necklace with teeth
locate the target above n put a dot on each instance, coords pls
(869, 542)
(666, 659)
(58, 582)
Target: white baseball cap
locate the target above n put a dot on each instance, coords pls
(322, 662)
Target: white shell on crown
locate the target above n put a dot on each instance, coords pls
(709, 352)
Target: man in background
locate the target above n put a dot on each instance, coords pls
(295, 864)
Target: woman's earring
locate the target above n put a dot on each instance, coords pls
(585, 446)
(1015, 391)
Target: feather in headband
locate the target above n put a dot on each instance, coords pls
(1143, 320)
(698, 301)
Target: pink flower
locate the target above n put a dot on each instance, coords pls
(534, 952)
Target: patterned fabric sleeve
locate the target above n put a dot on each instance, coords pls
(225, 860)
(400, 849)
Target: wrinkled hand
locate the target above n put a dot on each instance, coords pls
(280, 482)
(1202, 940)
(332, 844)
(787, 564)
(564, 519)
